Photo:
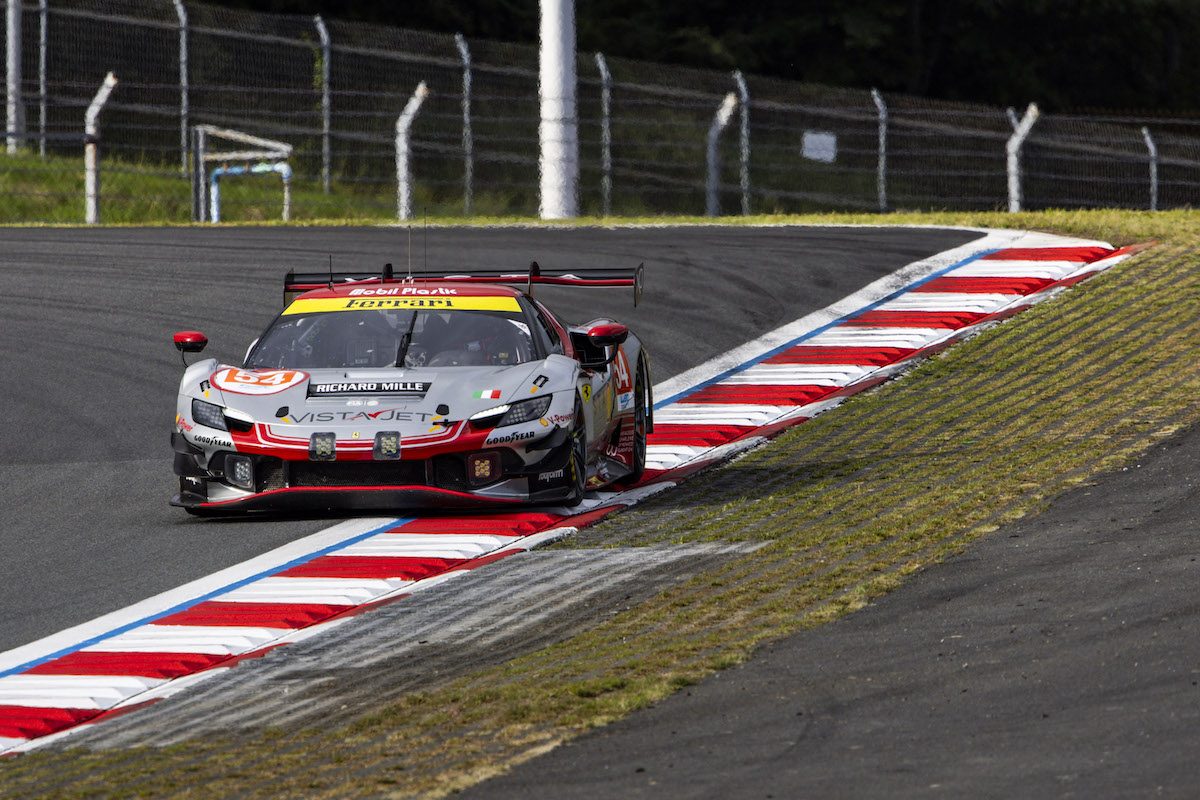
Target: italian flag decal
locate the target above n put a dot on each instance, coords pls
(488, 394)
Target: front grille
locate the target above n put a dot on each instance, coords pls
(449, 472)
(268, 474)
(357, 473)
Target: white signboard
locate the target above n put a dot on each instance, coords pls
(819, 146)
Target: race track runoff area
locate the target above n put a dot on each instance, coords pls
(708, 411)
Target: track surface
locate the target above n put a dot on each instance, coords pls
(89, 373)
(1058, 657)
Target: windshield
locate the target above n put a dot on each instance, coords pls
(376, 338)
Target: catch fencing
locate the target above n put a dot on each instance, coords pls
(654, 138)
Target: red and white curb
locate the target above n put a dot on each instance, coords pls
(148, 651)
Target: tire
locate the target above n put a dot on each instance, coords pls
(641, 426)
(576, 471)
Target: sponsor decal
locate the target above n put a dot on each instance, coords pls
(624, 377)
(320, 305)
(368, 387)
(212, 441)
(383, 415)
(404, 291)
(487, 394)
(257, 382)
(556, 475)
(586, 391)
(515, 436)
(538, 383)
(623, 451)
(625, 401)
(561, 419)
(182, 423)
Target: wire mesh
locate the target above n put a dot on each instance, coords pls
(475, 146)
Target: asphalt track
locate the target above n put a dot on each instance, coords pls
(1059, 657)
(89, 375)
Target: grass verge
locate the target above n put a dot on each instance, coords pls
(850, 504)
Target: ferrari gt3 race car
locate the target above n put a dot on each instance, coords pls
(371, 391)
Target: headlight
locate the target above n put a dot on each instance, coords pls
(525, 411)
(209, 414)
(512, 414)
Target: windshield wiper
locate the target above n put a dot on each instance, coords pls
(406, 340)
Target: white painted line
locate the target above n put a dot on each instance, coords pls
(71, 691)
(949, 301)
(212, 639)
(426, 545)
(332, 591)
(719, 414)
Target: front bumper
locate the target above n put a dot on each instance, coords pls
(437, 483)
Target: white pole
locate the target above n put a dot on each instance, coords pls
(181, 14)
(91, 166)
(605, 135)
(743, 93)
(326, 119)
(43, 44)
(881, 167)
(14, 107)
(286, 174)
(199, 179)
(468, 141)
(1013, 120)
(404, 207)
(720, 122)
(1152, 151)
(1013, 149)
(558, 130)
(214, 195)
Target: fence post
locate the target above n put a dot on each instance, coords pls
(1013, 149)
(744, 138)
(1012, 117)
(1152, 151)
(404, 209)
(326, 52)
(881, 168)
(43, 43)
(712, 205)
(605, 136)
(91, 165)
(15, 109)
(199, 179)
(181, 14)
(468, 141)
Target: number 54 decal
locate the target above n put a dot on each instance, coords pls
(264, 381)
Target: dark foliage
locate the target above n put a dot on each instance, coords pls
(1131, 54)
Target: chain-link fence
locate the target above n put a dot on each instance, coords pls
(654, 138)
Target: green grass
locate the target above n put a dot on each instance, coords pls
(848, 505)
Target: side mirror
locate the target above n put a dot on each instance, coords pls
(607, 334)
(190, 341)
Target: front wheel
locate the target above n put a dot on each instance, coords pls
(576, 472)
(641, 425)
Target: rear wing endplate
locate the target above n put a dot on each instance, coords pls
(297, 283)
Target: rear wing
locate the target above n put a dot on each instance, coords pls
(297, 283)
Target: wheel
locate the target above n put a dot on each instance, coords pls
(576, 473)
(641, 425)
